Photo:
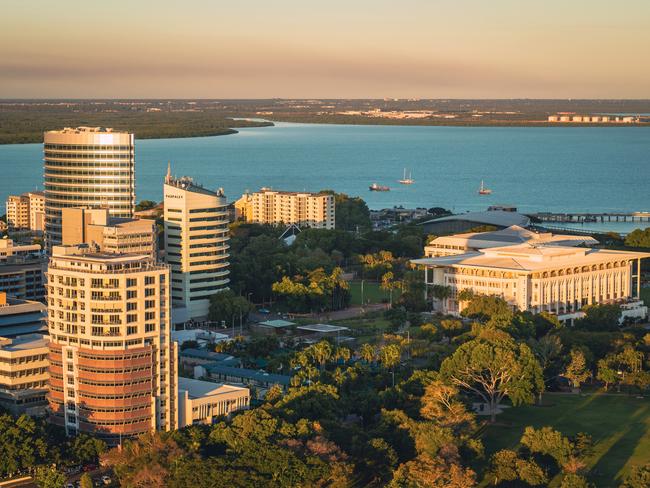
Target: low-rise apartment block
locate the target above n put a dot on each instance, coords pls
(22, 277)
(26, 211)
(24, 374)
(314, 210)
(9, 248)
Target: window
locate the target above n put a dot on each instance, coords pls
(132, 329)
(148, 292)
(131, 294)
(131, 282)
(149, 304)
(131, 306)
(132, 317)
(150, 315)
(149, 327)
(149, 280)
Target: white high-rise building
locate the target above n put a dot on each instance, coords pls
(196, 244)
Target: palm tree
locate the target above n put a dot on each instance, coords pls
(321, 352)
(367, 353)
(390, 356)
(342, 353)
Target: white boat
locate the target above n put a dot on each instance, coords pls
(405, 180)
(483, 190)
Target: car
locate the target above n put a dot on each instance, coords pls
(264, 311)
(106, 480)
(69, 485)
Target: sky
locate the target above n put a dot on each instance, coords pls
(325, 49)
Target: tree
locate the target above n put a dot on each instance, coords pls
(639, 477)
(440, 403)
(367, 353)
(506, 465)
(638, 238)
(23, 444)
(48, 477)
(546, 350)
(321, 352)
(86, 481)
(227, 307)
(87, 449)
(390, 356)
(145, 205)
(494, 366)
(576, 371)
(451, 327)
(602, 317)
(425, 471)
(351, 213)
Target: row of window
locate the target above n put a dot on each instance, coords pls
(88, 147)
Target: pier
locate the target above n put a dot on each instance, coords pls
(582, 218)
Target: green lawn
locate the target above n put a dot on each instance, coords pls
(372, 292)
(619, 426)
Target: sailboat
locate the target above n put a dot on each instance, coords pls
(405, 180)
(483, 190)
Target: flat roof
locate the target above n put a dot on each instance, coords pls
(16, 306)
(23, 342)
(276, 324)
(251, 374)
(200, 388)
(322, 328)
(203, 354)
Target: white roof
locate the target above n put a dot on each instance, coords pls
(322, 328)
(528, 258)
(511, 236)
(276, 323)
(198, 388)
(491, 217)
(182, 336)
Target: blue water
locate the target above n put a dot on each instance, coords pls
(536, 169)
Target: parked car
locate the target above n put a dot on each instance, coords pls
(106, 480)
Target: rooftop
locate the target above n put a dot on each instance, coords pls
(322, 328)
(16, 306)
(203, 354)
(491, 217)
(23, 342)
(530, 257)
(187, 183)
(199, 388)
(276, 324)
(84, 130)
(250, 374)
(294, 193)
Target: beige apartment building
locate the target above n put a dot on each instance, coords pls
(88, 167)
(113, 368)
(196, 244)
(97, 228)
(538, 277)
(26, 211)
(315, 210)
(24, 374)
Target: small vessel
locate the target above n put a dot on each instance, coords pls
(405, 180)
(483, 190)
(376, 187)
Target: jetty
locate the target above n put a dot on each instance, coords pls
(582, 218)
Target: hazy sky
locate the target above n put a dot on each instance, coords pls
(325, 48)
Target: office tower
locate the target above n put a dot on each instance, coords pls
(87, 167)
(196, 244)
(315, 210)
(113, 365)
(97, 228)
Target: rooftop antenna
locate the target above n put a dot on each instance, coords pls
(168, 178)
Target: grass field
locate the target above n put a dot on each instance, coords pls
(372, 293)
(619, 426)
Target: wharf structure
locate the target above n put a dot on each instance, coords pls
(196, 245)
(538, 277)
(113, 366)
(88, 167)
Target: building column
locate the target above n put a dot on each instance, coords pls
(638, 278)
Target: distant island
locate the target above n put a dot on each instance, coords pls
(24, 121)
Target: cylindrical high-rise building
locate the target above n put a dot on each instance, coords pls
(87, 167)
(113, 368)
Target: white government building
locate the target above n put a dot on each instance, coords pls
(534, 272)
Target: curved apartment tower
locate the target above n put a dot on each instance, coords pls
(196, 244)
(87, 167)
(113, 370)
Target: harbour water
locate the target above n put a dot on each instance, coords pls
(578, 169)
